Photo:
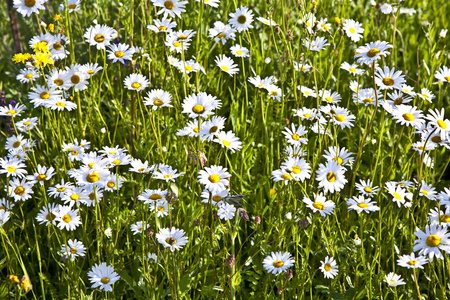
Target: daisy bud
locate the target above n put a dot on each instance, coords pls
(303, 223)
(288, 216)
(243, 214)
(277, 28)
(258, 219)
(230, 261)
(171, 197)
(357, 241)
(95, 22)
(289, 274)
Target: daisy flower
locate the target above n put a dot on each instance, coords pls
(212, 3)
(99, 36)
(103, 276)
(160, 207)
(27, 75)
(360, 204)
(189, 66)
(365, 188)
(318, 44)
(278, 262)
(136, 82)
(200, 105)
(438, 217)
(42, 174)
(58, 47)
(408, 11)
(261, 82)
(394, 280)
(158, 98)
(67, 218)
(397, 98)
(320, 204)
(305, 113)
(13, 167)
(372, 51)
(298, 168)
(411, 261)
(90, 69)
(430, 242)
(389, 79)
(282, 175)
(398, 195)
(73, 249)
(40, 95)
(149, 196)
(343, 118)
(239, 51)
(428, 191)
(163, 25)
(307, 92)
(301, 66)
(212, 127)
(166, 173)
(426, 94)
(353, 29)
(4, 217)
(170, 7)
(172, 238)
(331, 176)
(214, 178)
(241, 19)
(340, 155)
(120, 52)
(439, 123)
(329, 267)
(28, 7)
(274, 92)
(365, 96)
(386, 8)
(138, 228)
(47, 214)
(221, 32)
(408, 115)
(268, 22)
(77, 79)
(351, 68)
(228, 140)
(226, 64)
(226, 211)
(293, 135)
(60, 105)
(443, 74)
(20, 189)
(59, 189)
(216, 198)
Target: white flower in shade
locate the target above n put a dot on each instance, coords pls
(426, 94)
(397, 98)
(164, 25)
(152, 257)
(99, 36)
(138, 166)
(428, 191)
(318, 44)
(307, 92)
(320, 204)
(189, 66)
(108, 232)
(27, 75)
(298, 168)
(408, 11)
(386, 8)
(47, 214)
(278, 262)
(13, 167)
(293, 135)
(72, 5)
(6, 204)
(441, 126)
(343, 118)
(389, 79)
(28, 7)
(226, 211)
(408, 115)
(226, 64)
(340, 155)
(138, 228)
(438, 217)
(170, 7)
(301, 66)
(366, 189)
(372, 51)
(394, 280)
(430, 242)
(20, 189)
(67, 218)
(136, 82)
(398, 194)
(200, 105)
(351, 68)
(228, 140)
(268, 22)
(172, 238)
(4, 216)
(329, 267)
(331, 177)
(120, 52)
(353, 29)
(443, 74)
(73, 249)
(216, 198)
(158, 98)
(166, 173)
(214, 178)
(294, 151)
(103, 276)
(221, 32)
(212, 127)
(361, 204)
(241, 19)
(443, 33)
(274, 92)
(411, 261)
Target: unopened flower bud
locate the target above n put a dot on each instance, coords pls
(303, 223)
(230, 261)
(258, 219)
(289, 274)
(288, 216)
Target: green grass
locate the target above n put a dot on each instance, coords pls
(365, 247)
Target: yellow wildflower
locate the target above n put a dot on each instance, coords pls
(21, 57)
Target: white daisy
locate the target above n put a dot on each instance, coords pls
(172, 238)
(278, 262)
(430, 242)
(320, 204)
(214, 178)
(331, 176)
(329, 267)
(103, 276)
(241, 19)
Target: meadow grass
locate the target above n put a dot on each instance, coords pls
(223, 258)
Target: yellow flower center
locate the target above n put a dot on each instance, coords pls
(373, 52)
(412, 262)
(168, 176)
(319, 205)
(221, 35)
(239, 52)
(352, 30)
(99, 38)
(295, 137)
(433, 241)
(160, 208)
(119, 54)
(116, 162)
(447, 78)
(74, 197)
(28, 76)
(367, 100)
(442, 124)
(327, 267)
(397, 196)
(27, 123)
(196, 130)
(61, 189)
(61, 104)
(368, 189)
(331, 177)
(169, 5)
(189, 68)
(296, 169)
(73, 250)
(224, 68)
(242, 19)
(436, 139)
(135, 85)
(41, 177)
(213, 129)
(158, 102)
(16, 144)
(91, 165)
(307, 115)
(329, 99)
(50, 217)
(398, 101)
(155, 197)
(11, 169)
(338, 160)
(19, 191)
(30, 3)
(162, 27)
(286, 176)
(177, 44)
(363, 205)
(111, 184)
(226, 143)
(278, 263)
(44, 95)
(388, 81)
(273, 93)
(93, 177)
(424, 192)
(198, 109)
(216, 198)
(352, 70)
(340, 118)
(105, 280)
(66, 218)
(214, 178)
(57, 46)
(445, 218)
(181, 37)
(58, 82)
(72, 6)
(408, 117)
(75, 79)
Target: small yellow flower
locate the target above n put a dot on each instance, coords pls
(57, 17)
(21, 57)
(42, 59)
(337, 20)
(14, 279)
(25, 284)
(272, 192)
(41, 47)
(51, 27)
